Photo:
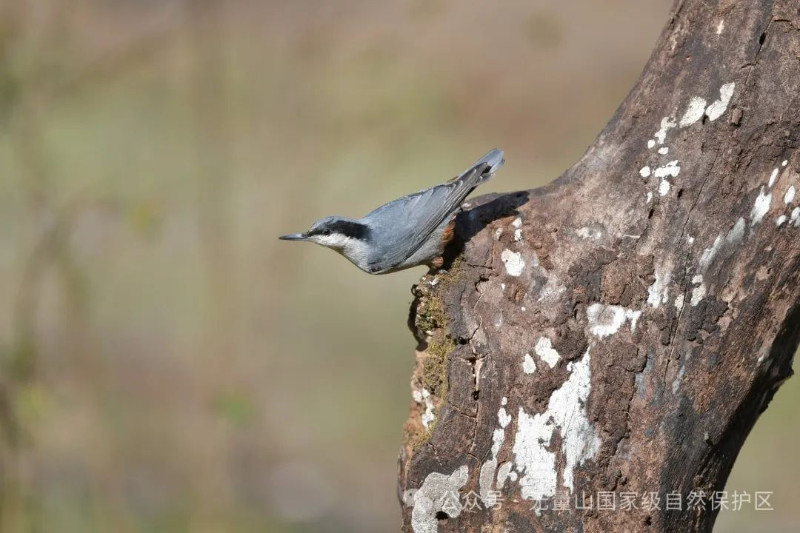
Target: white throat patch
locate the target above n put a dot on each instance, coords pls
(353, 249)
(336, 241)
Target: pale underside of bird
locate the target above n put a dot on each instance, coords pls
(410, 231)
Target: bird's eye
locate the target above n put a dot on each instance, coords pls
(326, 232)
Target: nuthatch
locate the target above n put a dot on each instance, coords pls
(412, 230)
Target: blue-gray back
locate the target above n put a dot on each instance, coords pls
(401, 226)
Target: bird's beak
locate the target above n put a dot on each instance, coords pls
(294, 237)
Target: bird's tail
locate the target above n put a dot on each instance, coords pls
(482, 170)
(494, 160)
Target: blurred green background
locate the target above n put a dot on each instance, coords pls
(167, 363)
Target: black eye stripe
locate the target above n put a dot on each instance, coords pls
(347, 228)
(351, 229)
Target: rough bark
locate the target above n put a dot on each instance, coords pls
(621, 329)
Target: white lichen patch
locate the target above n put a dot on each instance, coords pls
(699, 291)
(736, 233)
(795, 217)
(497, 233)
(513, 262)
(733, 237)
(785, 162)
(679, 302)
(544, 349)
(504, 419)
(773, 177)
(760, 206)
(552, 290)
(667, 123)
(488, 469)
(566, 411)
(438, 492)
(517, 224)
(537, 465)
(528, 364)
(504, 472)
(658, 292)
(592, 233)
(649, 197)
(780, 220)
(720, 27)
(423, 397)
(718, 107)
(710, 253)
(676, 383)
(695, 111)
(671, 169)
(606, 320)
(789, 196)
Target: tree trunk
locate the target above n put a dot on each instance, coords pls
(616, 334)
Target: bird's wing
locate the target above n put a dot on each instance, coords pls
(404, 224)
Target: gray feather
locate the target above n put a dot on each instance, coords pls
(423, 212)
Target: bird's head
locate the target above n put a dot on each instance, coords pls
(332, 232)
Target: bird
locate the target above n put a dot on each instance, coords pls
(410, 231)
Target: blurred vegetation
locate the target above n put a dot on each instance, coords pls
(165, 363)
